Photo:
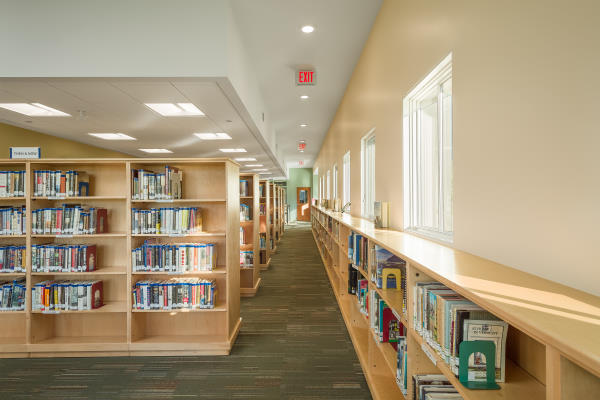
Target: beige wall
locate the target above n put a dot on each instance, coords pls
(52, 147)
(526, 89)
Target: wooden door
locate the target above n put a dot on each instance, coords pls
(303, 203)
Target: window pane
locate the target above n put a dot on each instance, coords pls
(428, 164)
(447, 158)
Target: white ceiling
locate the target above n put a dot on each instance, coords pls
(271, 32)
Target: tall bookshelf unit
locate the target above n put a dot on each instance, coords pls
(272, 217)
(552, 352)
(265, 231)
(116, 329)
(250, 275)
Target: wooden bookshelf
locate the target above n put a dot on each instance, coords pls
(553, 351)
(272, 216)
(265, 224)
(250, 276)
(115, 329)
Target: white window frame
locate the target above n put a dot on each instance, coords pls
(413, 176)
(335, 182)
(346, 180)
(368, 174)
(328, 183)
(318, 194)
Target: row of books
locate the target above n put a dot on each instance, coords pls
(246, 259)
(70, 219)
(358, 250)
(13, 295)
(444, 319)
(245, 212)
(263, 209)
(176, 258)
(243, 236)
(12, 183)
(149, 185)
(402, 364)
(63, 258)
(166, 220)
(12, 259)
(244, 187)
(433, 387)
(67, 295)
(13, 221)
(261, 190)
(60, 183)
(173, 294)
(262, 241)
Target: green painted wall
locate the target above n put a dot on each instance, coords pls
(298, 177)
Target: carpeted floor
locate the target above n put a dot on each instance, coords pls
(293, 345)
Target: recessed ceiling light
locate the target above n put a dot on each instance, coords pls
(303, 125)
(254, 165)
(213, 136)
(175, 109)
(308, 29)
(34, 110)
(233, 150)
(112, 136)
(245, 159)
(304, 97)
(260, 169)
(156, 150)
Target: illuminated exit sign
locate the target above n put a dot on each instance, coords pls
(305, 77)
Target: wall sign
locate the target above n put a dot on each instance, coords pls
(306, 77)
(25, 152)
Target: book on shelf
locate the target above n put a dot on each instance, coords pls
(263, 209)
(493, 331)
(12, 183)
(242, 236)
(352, 279)
(246, 259)
(388, 268)
(358, 250)
(14, 220)
(362, 294)
(174, 294)
(175, 258)
(440, 317)
(57, 183)
(245, 214)
(150, 185)
(262, 240)
(12, 259)
(431, 383)
(166, 220)
(381, 212)
(63, 258)
(244, 187)
(402, 365)
(70, 219)
(13, 295)
(67, 295)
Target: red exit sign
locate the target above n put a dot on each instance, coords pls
(305, 77)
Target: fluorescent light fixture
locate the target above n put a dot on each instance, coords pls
(34, 110)
(265, 173)
(304, 97)
(245, 159)
(254, 165)
(112, 136)
(260, 169)
(303, 125)
(175, 109)
(308, 29)
(233, 150)
(156, 150)
(213, 136)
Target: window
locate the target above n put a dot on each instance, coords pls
(328, 184)
(335, 181)
(368, 174)
(428, 192)
(346, 180)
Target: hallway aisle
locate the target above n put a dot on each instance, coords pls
(293, 345)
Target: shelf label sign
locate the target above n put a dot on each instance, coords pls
(306, 77)
(25, 152)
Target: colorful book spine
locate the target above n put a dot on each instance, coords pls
(166, 221)
(150, 185)
(70, 219)
(63, 258)
(246, 259)
(13, 220)
(12, 259)
(12, 297)
(175, 258)
(67, 295)
(59, 183)
(174, 294)
(12, 183)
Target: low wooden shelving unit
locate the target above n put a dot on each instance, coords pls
(250, 275)
(553, 346)
(116, 329)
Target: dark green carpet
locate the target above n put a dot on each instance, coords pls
(293, 345)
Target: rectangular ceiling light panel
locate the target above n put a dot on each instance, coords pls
(34, 110)
(175, 109)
